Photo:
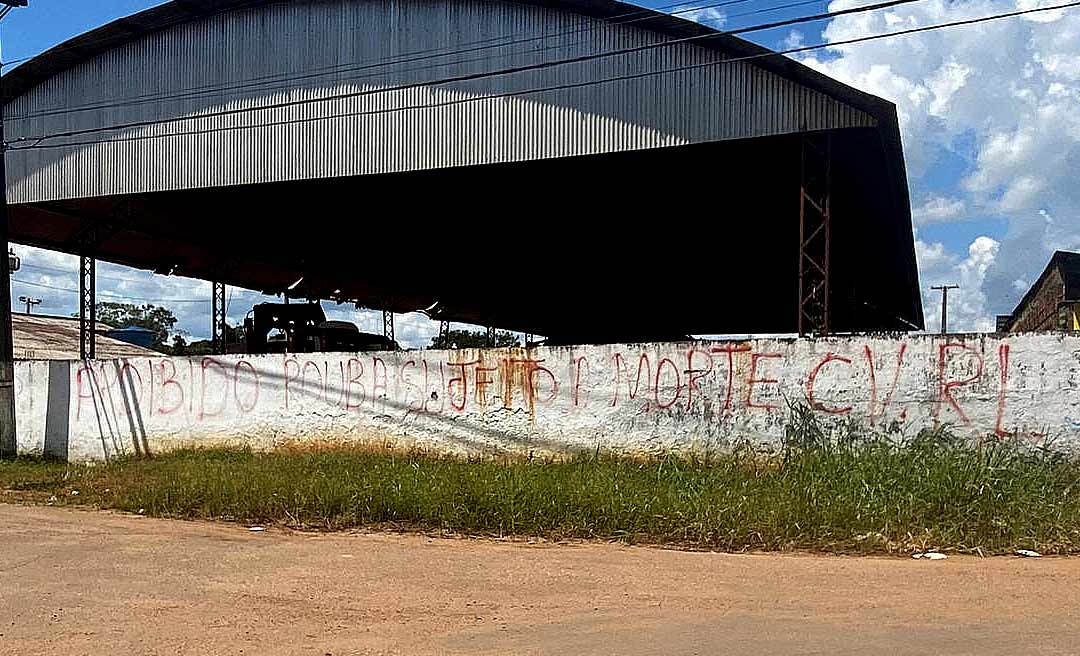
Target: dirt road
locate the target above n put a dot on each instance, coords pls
(80, 582)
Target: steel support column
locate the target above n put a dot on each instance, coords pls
(388, 325)
(8, 445)
(87, 307)
(217, 319)
(815, 188)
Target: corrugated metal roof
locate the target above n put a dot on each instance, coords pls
(357, 127)
(42, 337)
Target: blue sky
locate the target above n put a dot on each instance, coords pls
(990, 116)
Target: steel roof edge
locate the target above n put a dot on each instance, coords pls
(121, 31)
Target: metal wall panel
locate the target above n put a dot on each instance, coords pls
(249, 59)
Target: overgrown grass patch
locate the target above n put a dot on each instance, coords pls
(817, 493)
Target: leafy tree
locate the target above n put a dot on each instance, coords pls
(458, 339)
(152, 317)
(179, 345)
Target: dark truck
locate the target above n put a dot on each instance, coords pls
(303, 328)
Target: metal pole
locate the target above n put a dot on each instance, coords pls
(944, 310)
(388, 325)
(801, 301)
(217, 318)
(7, 349)
(87, 307)
(944, 289)
(826, 215)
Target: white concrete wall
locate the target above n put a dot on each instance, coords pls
(628, 397)
(31, 405)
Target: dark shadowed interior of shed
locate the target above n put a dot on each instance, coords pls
(634, 246)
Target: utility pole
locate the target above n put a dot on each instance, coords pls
(944, 289)
(30, 302)
(8, 446)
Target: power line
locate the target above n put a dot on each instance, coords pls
(475, 76)
(265, 82)
(232, 290)
(111, 294)
(261, 81)
(559, 87)
(74, 272)
(12, 62)
(40, 267)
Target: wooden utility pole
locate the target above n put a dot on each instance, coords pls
(944, 289)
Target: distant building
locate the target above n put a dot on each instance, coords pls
(42, 337)
(1052, 303)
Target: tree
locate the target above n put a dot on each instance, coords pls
(180, 345)
(458, 339)
(123, 315)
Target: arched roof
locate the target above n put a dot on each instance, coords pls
(177, 12)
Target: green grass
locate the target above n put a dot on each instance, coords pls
(818, 493)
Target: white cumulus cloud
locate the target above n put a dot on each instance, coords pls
(1000, 95)
(938, 209)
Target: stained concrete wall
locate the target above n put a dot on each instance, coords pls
(638, 398)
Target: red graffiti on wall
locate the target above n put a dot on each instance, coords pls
(578, 364)
(208, 363)
(169, 383)
(678, 383)
(754, 380)
(1003, 386)
(730, 349)
(376, 385)
(354, 374)
(529, 370)
(462, 382)
(695, 375)
(874, 414)
(946, 387)
(671, 379)
(483, 379)
(821, 407)
(411, 389)
(620, 371)
(251, 381)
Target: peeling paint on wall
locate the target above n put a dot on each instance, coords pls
(644, 397)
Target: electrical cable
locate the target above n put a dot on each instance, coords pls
(476, 76)
(261, 82)
(645, 74)
(40, 267)
(119, 296)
